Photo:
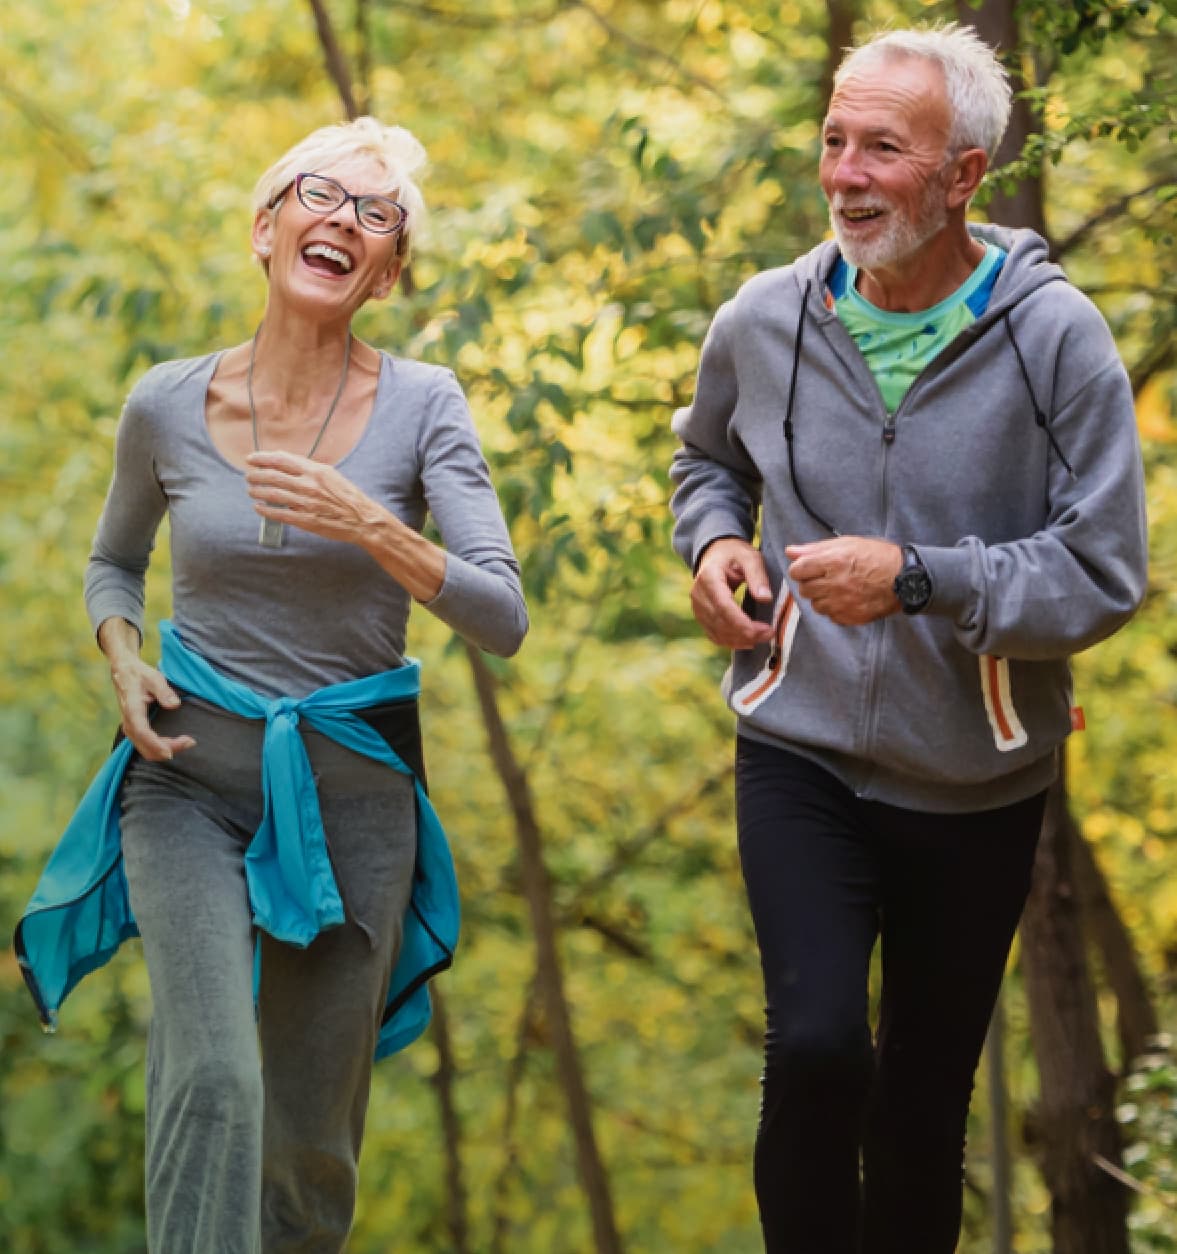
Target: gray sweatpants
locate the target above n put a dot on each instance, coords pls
(252, 1148)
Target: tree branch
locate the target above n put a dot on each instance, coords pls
(475, 21)
(337, 69)
(1160, 357)
(840, 15)
(43, 121)
(1136, 1017)
(478, 21)
(1107, 214)
(567, 668)
(523, 1034)
(444, 1080)
(645, 50)
(625, 854)
(363, 34)
(550, 977)
(697, 1153)
(616, 937)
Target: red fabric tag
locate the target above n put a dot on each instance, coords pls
(1078, 722)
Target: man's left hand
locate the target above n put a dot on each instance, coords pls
(849, 580)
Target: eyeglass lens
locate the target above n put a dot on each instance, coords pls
(319, 194)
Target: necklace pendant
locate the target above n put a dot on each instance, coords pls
(271, 534)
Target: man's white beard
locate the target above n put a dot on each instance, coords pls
(898, 237)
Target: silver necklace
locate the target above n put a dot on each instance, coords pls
(272, 533)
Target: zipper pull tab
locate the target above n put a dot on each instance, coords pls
(889, 429)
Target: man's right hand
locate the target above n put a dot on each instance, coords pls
(138, 686)
(724, 566)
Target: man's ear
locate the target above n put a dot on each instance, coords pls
(967, 171)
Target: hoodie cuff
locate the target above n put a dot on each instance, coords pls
(714, 527)
(952, 584)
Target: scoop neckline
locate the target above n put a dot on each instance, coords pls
(214, 362)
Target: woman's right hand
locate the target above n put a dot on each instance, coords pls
(139, 686)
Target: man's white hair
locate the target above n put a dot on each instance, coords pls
(397, 151)
(976, 83)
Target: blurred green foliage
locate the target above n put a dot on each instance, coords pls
(1148, 1115)
(602, 177)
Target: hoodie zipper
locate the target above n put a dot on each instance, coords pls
(877, 646)
(880, 627)
(868, 727)
(876, 653)
(997, 311)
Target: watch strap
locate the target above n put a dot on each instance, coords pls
(913, 584)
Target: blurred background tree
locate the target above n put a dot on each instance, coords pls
(604, 174)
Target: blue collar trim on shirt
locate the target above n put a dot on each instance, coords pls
(975, 291)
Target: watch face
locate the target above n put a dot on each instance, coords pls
(914, 588)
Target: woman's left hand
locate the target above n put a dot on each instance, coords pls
(310, 495)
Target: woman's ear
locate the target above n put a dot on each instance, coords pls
(262, 235)
(387, 280)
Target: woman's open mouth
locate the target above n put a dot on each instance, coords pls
(327, 259)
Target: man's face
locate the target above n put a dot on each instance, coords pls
(884, 146)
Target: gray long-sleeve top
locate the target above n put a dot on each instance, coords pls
(315, 611)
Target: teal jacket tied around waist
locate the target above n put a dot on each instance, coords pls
(80, 913)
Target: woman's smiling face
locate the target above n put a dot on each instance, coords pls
(327, 262)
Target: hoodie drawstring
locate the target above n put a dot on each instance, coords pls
(1039, 416)
(798, 337)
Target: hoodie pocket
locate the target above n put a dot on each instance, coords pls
(1008, 732)
(785, 617)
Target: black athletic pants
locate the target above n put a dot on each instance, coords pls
(860, 1148)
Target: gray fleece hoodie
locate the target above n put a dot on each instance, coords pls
(1012, 465)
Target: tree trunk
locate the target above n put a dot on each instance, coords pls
(996, 22)
(363, 37)
(1136, 1018)
(999, 1201)
(499, 1210)
(840, 15)
(443, 1083)
(334, 58)
(1074, 1116)
(339, 73)
(549, 974)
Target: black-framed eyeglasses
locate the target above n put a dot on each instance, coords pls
(379, 214)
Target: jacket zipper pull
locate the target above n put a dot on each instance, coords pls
(889, 429)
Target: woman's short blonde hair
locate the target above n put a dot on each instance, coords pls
(394, 149)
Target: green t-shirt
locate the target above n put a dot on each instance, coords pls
(897, 346)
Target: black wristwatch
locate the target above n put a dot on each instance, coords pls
(913, 584)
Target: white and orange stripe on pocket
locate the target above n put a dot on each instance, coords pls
(1008, 732)
(785, 617)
